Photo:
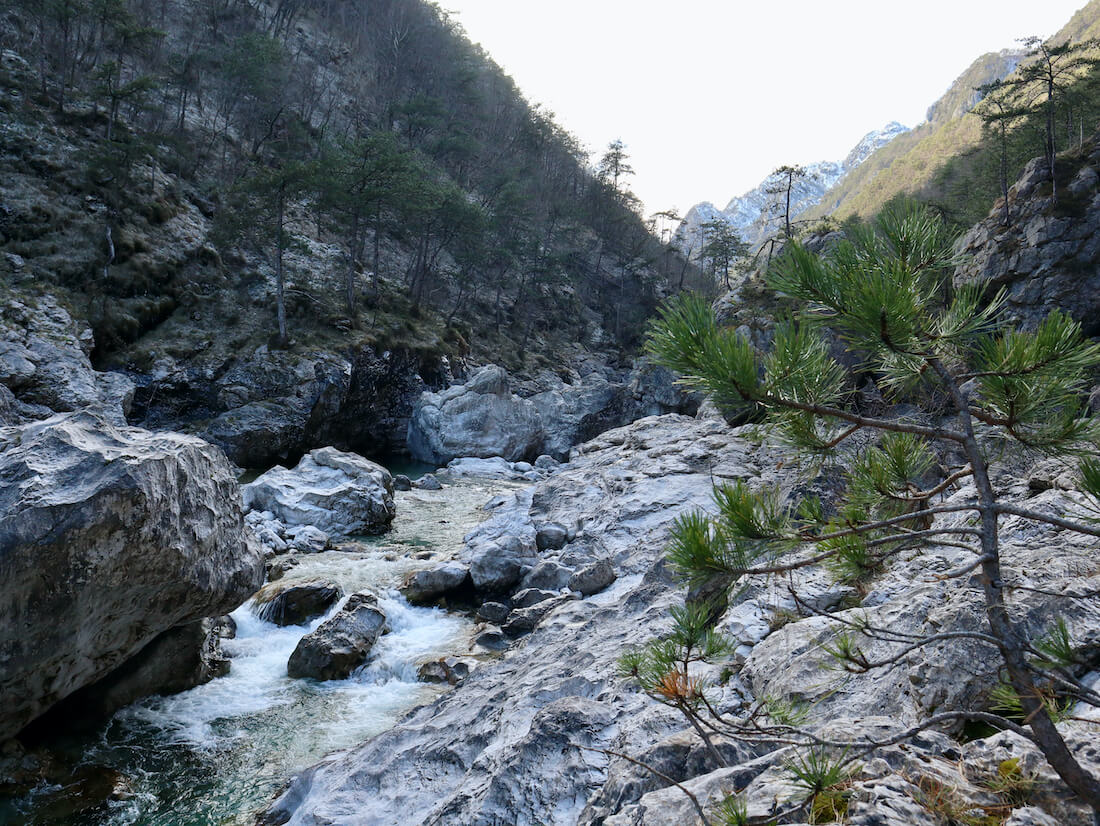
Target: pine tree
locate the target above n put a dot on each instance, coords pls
(886, 293)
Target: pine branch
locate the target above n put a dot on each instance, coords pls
(1037, 516)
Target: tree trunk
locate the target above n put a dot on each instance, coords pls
(280, 302)
(1012, 640)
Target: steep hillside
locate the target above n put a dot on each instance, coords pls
(908, 163)
(372, 141)
(239, 197)
(949, 160)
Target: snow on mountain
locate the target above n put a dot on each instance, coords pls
(758, 214)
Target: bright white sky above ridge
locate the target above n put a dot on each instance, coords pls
(711, 95)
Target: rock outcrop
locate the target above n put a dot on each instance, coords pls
(484, 418)
(265, 406)
(296, 604)
(502, 747)
(508, 743)
(109, 537)
(1048, 257)
(480, 418)
(44, 364)
(339, 493)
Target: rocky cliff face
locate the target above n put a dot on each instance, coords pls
(44, 365)
(1048, 256)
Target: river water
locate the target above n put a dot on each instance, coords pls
(216, 754)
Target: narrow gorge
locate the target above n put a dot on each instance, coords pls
(367, 458)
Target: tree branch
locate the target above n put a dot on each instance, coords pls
(694, 800)
(1027, 513)
(862, 421)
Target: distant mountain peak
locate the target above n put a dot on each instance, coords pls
(757, 214)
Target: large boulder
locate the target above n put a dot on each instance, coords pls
(264, 406)
(481, 418)
(340, 644)
(484, 418)
(341, 493)
(109, 536)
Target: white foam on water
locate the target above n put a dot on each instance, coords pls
(257, 681)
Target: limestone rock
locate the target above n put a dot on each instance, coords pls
(522, 713)
(307, 539)
(480, 418)
(549, 576)
(428, 482)
(593, 578)
(109, 537)
(551, 537)
(339, 493)
(494, 612)
(1047, 258)
(450, 670)
(296, 604)
(531, 596)
(341, 644)
(427, 586)
(44, 363)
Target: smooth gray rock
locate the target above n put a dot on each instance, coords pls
(551, 537)
(593, 578)
(427, 586)
(549, 576)
(296, 604)
(495, 570)
(340, 493)
(494, 612)
(531, 596)
(341, 644)
(480, 419)
(402, 482)
(109, 537)
(493, 639)
(307, 539)
(524, 620)
(44, 363)
(451, 670)
(428, 482)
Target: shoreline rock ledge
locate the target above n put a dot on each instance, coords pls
(110, 537)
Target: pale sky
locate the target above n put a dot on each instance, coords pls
(711, 95)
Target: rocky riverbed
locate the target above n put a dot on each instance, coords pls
(216, 752)
(511, 744)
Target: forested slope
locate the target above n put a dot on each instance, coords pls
(184, 174)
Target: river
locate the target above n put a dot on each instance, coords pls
(217, 753)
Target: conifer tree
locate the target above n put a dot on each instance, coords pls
(886, 293)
